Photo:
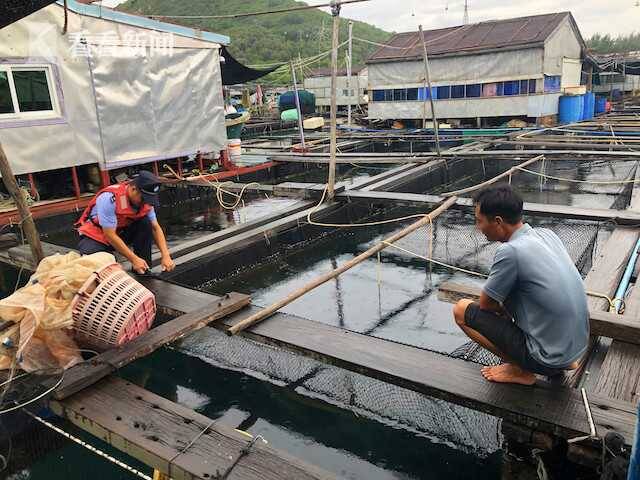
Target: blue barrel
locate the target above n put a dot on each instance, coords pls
(570, 108)
(589, 105)
(601, 105)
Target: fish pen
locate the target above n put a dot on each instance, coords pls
(321, 380)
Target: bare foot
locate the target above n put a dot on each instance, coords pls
(508, 373)
(573, 366)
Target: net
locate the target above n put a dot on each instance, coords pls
(435, 419)
(454, 240)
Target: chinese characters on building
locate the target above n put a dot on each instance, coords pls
(110, 44)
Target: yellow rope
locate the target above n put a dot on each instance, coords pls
(219, 190)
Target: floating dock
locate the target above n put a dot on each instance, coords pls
(181, 443)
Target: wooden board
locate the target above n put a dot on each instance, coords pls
(203, 241)
(602, 323)
(89, 372)
(619, 374)
(554, 409)
(156, 431)
(620, 217)
(604, 277)
(244, 239)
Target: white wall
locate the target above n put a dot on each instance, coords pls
(489, 67)
(321, 88)
(525, 105)
(561, 44)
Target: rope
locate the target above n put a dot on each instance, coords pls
(433, 40)
(348, 225)
(219, 190)
(245, 451)
(571, 180)
(89, 447)
(189, 445)
(436, 262)
(254, 14)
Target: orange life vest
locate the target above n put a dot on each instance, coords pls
(125, 213)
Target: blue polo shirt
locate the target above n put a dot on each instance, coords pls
(535, 279)
(105, 208)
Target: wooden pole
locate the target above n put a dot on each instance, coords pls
(298, 108)
(509, 172)
(262, 314)
(427, 77)
(28, 225)
(335, 11)
(349, 72)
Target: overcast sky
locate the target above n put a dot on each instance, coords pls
(604, 16)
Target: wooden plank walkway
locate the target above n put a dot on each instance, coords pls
(177, 441)
(619, 375)
(87, 373)
(604, 324)
(619, 217)
(554, 409)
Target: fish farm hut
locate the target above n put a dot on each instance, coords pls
(504, 68)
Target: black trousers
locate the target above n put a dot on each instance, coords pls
(138, 235)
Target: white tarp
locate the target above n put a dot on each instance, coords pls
(150, 107)
(493, 67)
(525, 105)
(159, 107)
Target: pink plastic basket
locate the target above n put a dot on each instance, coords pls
(111, 308)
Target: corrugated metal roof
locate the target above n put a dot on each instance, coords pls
(473, 38)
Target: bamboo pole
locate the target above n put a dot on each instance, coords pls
(298, 107)
(349, 68)
(427, 77)
(28, 225)
(508, 173)
(262, 314)
(335, 11)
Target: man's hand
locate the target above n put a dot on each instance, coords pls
(167, 264)
(139, 265)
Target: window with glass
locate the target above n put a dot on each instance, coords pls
(474, 90)
(552, 83)
(26, 91)
(6, 101)
(400, 94)
(524, 87)
(412, 94)
(444, 92)
(457, 91)
(532, 85)
(377, 95)
(512, 88)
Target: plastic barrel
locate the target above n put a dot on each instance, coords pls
(601, 105)
(290, 115)
(570, 108)
(589, 106)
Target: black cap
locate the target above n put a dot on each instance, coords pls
(149, 186)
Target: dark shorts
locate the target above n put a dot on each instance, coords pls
(507, 337)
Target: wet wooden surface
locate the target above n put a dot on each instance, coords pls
(159, 432)
(604, 324)
(87, 373)
(554, 409)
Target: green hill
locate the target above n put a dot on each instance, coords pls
(268, 38)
